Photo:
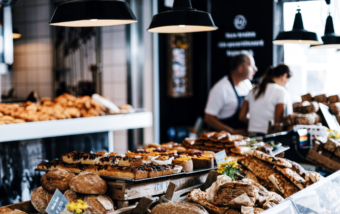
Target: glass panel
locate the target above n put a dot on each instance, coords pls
(284, 208)
(320, 198)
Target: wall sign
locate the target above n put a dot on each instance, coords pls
(244, 26)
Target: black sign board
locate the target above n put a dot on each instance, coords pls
(244, 25)
(57, 203)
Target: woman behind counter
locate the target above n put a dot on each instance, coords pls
(269, 100)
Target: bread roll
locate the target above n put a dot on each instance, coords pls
(101, 204)
(4, 210)
(74, 196)
(56, 179)
(16, 212)
(182, 207)
(88, 183)
(40, 199)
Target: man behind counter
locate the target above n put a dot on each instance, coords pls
(227, 95)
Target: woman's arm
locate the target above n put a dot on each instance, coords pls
(279, 112)
(244, 112)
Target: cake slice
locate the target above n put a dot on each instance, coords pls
(73, 157)
(49, 165)
(110, 161)
(126, 161)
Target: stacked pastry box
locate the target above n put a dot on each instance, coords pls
(145, 163)
(307, 111)
(234, 145)
(264, 182)
(326, 155)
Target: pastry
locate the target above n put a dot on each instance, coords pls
(88, 183)
(73, 196)
(40, 199)
(73, 157)
(261, 169)
(293, 177)
(228, 192)
(130, 162)
(232, 138)
(100, 204)
(273, 200)
(307, 97)
(4, 210)
(209, 143)
(199, 197)
(240, 150)
(331, 145)
(315, 177)
(283, 185)
(180, 149)
(184, 161)
(273, 160)
(219, 136)
(334, 99)
(206, 136)
(199, 142)
(110, 160)
(188, 142)
(181, 207)
(56, 179)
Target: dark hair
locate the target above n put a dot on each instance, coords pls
(238, 60)
(271, 73)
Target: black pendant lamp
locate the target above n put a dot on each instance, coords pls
(92, 13)
(16, 34)
(330, 39)
(298, 34)
(182, 18)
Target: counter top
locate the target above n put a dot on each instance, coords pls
(56, 128)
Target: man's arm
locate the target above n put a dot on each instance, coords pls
(219, 126)
(244, 112)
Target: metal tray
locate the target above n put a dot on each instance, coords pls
(146, 179)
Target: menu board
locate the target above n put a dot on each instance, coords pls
(243, 26)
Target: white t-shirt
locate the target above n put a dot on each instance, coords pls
(222, 101)
(262, 110)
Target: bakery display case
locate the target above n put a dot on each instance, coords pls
(319, 198)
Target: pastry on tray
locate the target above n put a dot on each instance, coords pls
(206, 136)
(185, 161)
(219, 136)
(202, 159)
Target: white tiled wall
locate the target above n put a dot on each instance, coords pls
(32, 67)
(115, 74)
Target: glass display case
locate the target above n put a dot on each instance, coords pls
(319, 198)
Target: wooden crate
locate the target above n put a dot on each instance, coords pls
(323, 161)
(126, 190)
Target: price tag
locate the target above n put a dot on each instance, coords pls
(220, 157)
(57, 203)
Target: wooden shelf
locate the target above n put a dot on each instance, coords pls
(56, 128)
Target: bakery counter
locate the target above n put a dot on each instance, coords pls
(76, 126)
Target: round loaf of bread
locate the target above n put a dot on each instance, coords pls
(182, 207)
(56, 179)
(40, 199)
(100, 204)
(74, 196)
(4, 210)
(16, 212)
(88, 183)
